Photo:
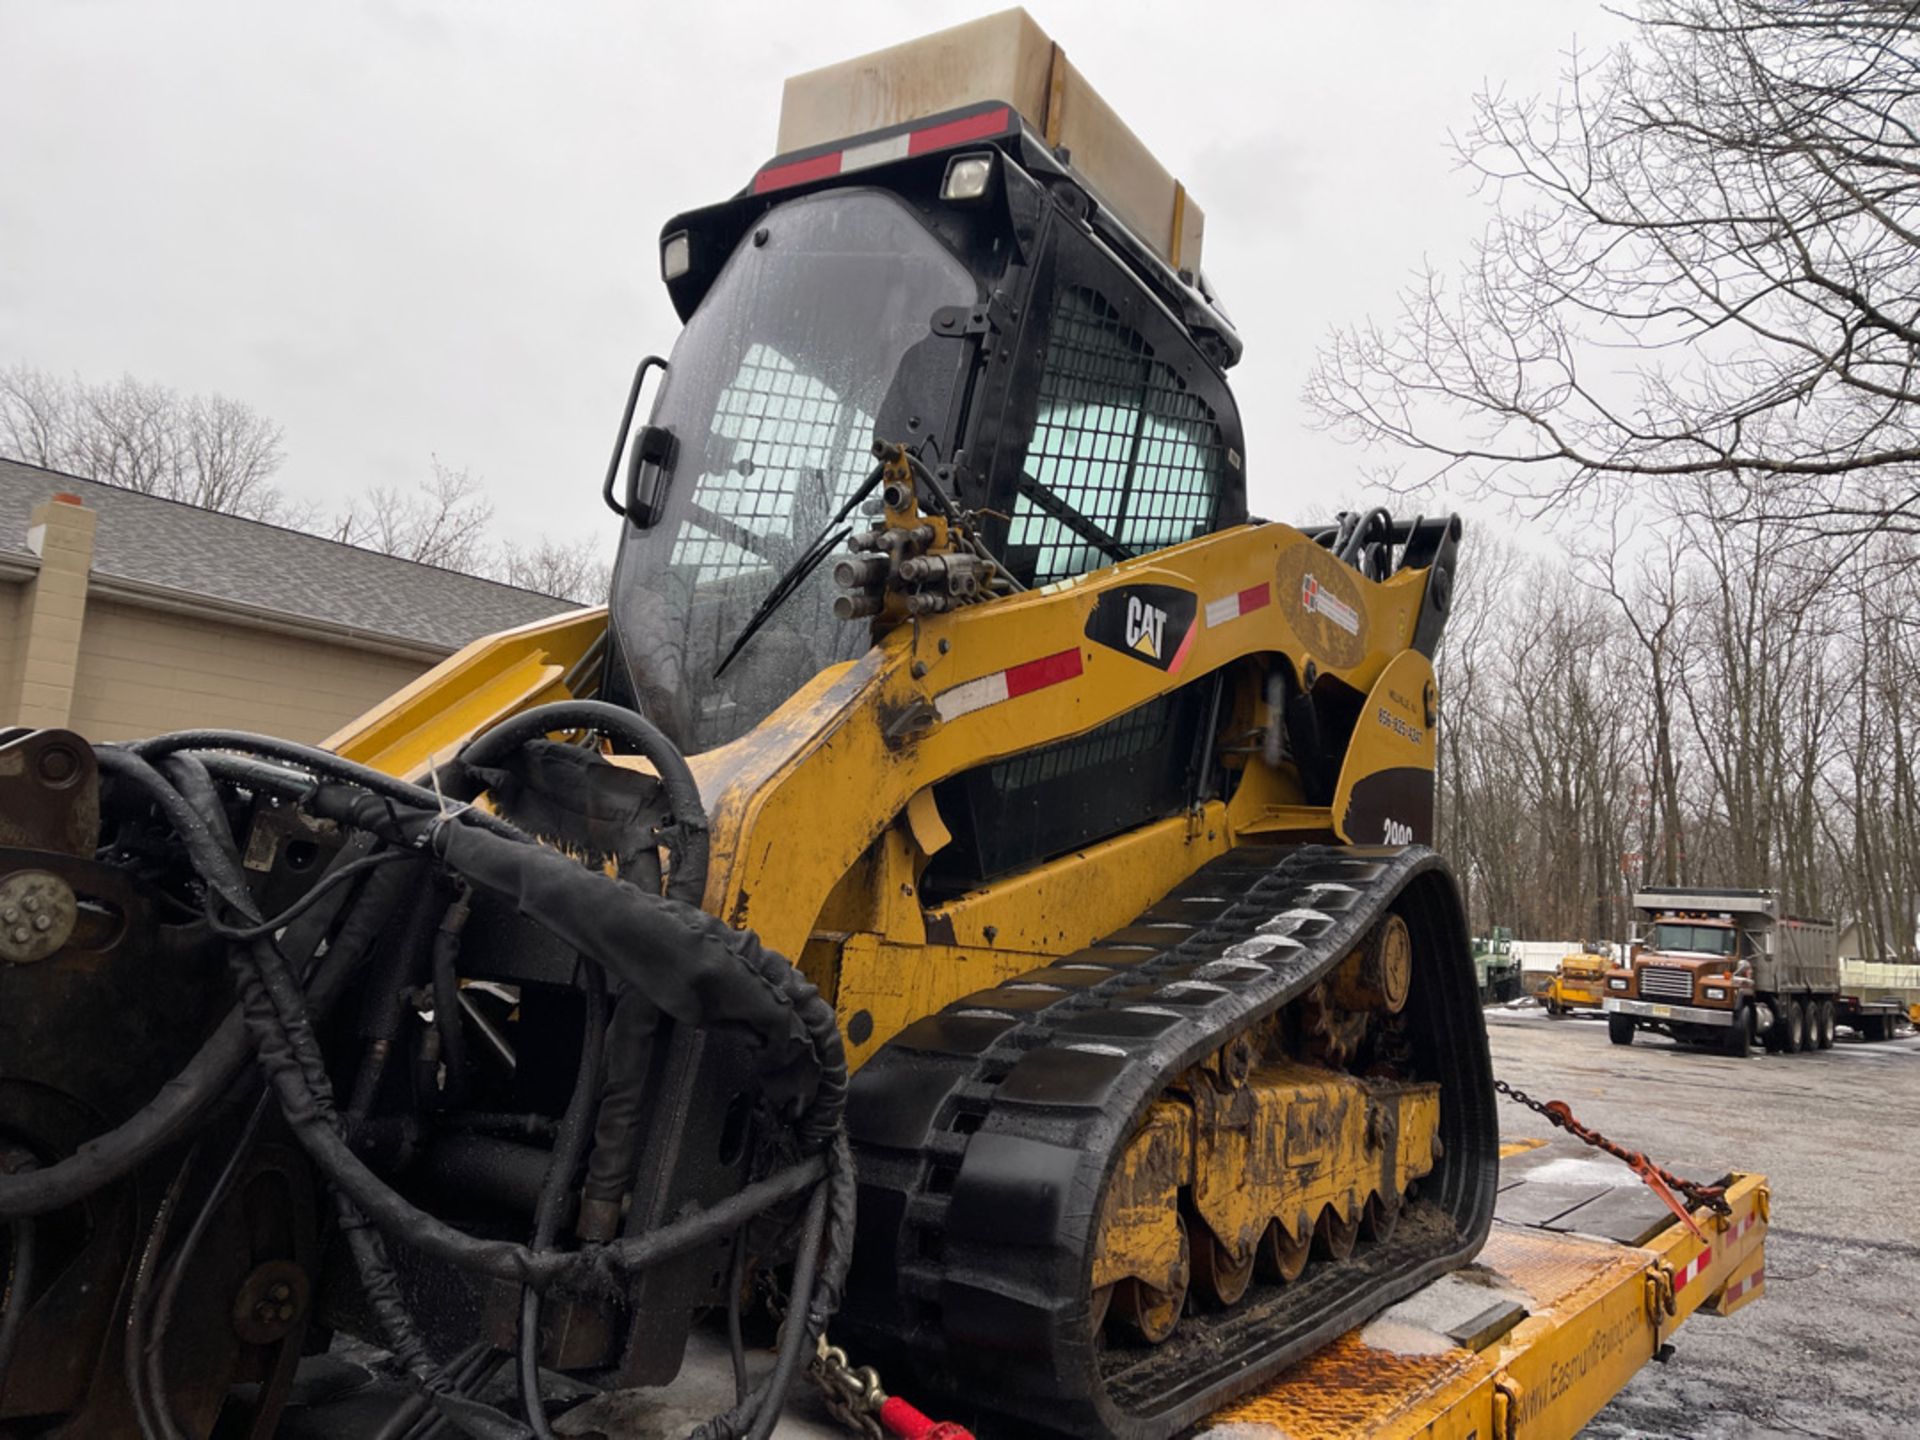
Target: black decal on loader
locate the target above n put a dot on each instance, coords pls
(1153, 623)
(1391, 807)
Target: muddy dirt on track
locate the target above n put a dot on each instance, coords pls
(1833, 1348)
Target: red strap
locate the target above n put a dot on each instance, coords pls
(903, 1420)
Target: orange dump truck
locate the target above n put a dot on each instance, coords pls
(1726, 968)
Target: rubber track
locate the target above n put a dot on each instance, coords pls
(984, 1136)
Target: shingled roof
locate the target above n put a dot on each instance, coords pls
(169, 545)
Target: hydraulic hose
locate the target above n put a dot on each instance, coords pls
(671, 959)
(569, 1145)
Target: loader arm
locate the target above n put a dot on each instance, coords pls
(852, 759)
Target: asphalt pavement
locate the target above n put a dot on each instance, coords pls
(1833, 1347)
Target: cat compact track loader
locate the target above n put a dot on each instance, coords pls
(970, 886)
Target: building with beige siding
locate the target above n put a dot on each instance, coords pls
(124, 615)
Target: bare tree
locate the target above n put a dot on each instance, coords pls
(572, 571)
(443, 521)
(1703, 263)
(206, 450)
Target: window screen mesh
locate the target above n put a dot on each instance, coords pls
(1128, 459)
(797, 452)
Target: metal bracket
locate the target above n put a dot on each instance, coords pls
(993, 317)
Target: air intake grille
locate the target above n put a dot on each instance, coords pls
(1659, 982)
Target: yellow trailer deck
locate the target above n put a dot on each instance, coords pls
(1585, 1277)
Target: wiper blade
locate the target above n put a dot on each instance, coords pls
(803, 565)
(794, 577)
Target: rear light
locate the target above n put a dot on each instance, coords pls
(676, 255)
(969, 177)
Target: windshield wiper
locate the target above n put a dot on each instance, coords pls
(804, 564)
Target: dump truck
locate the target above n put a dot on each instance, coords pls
(1725, 967)
(970, 888)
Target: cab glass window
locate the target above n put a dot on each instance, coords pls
(1124, 459)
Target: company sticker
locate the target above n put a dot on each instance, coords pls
(1323, 598)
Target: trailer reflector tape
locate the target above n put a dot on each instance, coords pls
(1692, 1270)
(879, 152)
(1756, 1281)
(1747, 1222)
(1008, 684)
(1245, 602)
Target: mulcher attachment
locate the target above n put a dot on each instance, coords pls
(1317, 1003)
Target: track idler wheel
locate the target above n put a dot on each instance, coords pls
(1334, 1237)
(1218, 1274)
(1150, 1313)
(1281, 1257)
(1382, 1216)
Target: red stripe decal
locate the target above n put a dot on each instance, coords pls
(1255, 597)
(1180, 655)
(797, 172)
(958, 132)
(1038, 674)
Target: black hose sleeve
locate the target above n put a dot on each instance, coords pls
(307, 757)
(691, 965)
(689, 879)
(213, 862)
(568, 1148)
(623, 1106)
(189, 776)
(499, 1258)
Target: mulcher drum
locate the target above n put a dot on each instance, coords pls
(985, 1134)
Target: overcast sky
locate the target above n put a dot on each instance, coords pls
(405, 229)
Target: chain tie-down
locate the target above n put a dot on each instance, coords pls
(854, 1396)
(1662, 1182)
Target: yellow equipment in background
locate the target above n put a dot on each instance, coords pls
(1579, 983)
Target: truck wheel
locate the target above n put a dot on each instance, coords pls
(1553, 1009)
(1620, 1029)
(1738, 1041)
(1826, 1025)
(1796, 1039)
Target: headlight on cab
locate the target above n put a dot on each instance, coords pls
(1615, 982)
(1716, 992)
